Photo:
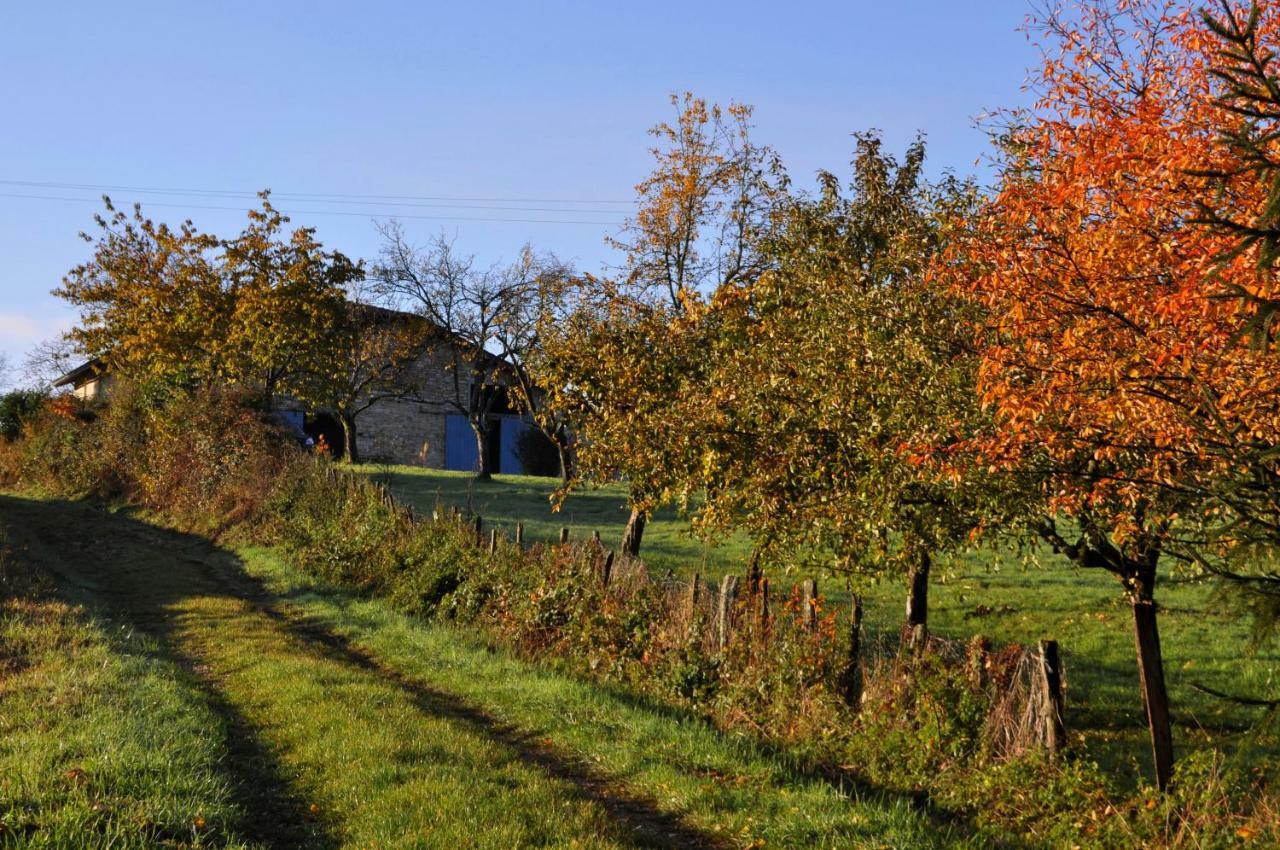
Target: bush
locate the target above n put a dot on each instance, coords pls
(17, 408)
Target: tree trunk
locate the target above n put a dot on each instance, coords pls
(484, 458)
(633, 533)
(851, 679)
(566, 467)
(350, 444)
(1155, 697)
(918, 604)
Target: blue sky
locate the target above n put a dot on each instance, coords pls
(503, 102)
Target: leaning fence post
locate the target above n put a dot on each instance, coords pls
(728, 593)
(606, 570)
(809, 599)
(1051, 683)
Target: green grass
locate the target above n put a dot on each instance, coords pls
(507, 499)
(248, 694)
(103, 741)
(985, 592)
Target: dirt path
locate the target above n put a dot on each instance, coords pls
(221, 625)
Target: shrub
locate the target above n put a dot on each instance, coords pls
(17, 408)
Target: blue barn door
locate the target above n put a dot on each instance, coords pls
(509, 458)
(459, 444)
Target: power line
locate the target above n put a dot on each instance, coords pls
(370, 214)
(325, 197)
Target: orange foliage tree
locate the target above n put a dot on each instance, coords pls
(1113, 363)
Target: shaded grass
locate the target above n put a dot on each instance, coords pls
(103, 743)
(984, 592)
(389, 732)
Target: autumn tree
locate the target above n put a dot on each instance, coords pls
(180, 305)
(542, 294)
(700, 219)
(288, 300)
(842, 378)
(1111, 361)
(371, 358)
(1240, 203)
(50, 359)
(152, 299)
(485, 317)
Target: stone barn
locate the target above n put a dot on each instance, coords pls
(422, 428)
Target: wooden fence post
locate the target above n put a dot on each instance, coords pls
(809, 601)
(1051, 683)
(564, 535)
(595, 535)
(694, 587)
(724, 614)
(520, 534)
(493, 540)
(606, 571)
(479, 531)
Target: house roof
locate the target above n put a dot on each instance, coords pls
(369, 312)
(82, 373)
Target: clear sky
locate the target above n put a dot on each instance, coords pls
(470, 108)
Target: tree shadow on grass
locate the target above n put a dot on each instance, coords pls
(271, 813)
(162, 568)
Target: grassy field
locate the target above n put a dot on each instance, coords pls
(984, 592)
(188, 695)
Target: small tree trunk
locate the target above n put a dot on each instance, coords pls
(1155, 697)
(918, 604)
(484, 458)
(851, 680)
(633, 533)
(566, 465)
(350, 443)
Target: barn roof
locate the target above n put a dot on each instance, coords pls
(82, 373)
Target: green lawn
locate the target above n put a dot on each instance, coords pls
(984, 592)
(224, 693)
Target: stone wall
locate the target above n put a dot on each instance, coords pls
(413, 432)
